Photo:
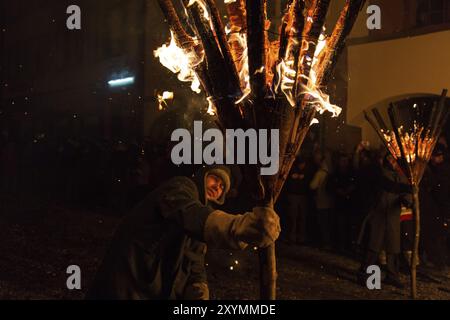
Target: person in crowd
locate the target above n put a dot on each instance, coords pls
(383, 222)
(296, 189)
(323, 199)
(343, 184)
(435, 207)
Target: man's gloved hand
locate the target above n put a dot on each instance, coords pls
(261, 228)
(196, 291)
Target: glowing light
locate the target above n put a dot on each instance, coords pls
(121, 82)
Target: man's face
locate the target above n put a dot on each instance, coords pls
(437, 159)
(214, 187)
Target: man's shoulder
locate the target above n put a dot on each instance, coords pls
(179, 183)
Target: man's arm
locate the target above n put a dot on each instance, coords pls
(178, 201)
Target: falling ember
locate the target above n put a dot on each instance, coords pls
(162, 99)
(181, 62)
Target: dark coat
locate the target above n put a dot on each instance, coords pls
(383, 220)
(441, 188)
(159, 248)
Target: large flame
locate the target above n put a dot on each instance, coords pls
(320, 100)
(181, 62)
(314, 95)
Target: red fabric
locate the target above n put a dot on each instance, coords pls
(406, 215)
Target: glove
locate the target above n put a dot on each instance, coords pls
(259, 228)
(196, 291)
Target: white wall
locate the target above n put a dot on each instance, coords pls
(381, 70)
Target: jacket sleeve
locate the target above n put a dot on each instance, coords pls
(394, 187)
(196, 254)
(178, 201)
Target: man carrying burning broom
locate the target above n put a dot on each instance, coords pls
(158, 252)
(253, 82)
(250, 82)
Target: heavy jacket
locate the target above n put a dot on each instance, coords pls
(158, 249)
(441, 188)
(384, 218)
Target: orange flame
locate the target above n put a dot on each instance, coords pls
(181, 62)
(239, 40)
(314, 94)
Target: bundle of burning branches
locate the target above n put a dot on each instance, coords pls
(253, 82)
(411, 142)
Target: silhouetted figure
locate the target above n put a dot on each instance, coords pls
(383, 221)
(297, 185)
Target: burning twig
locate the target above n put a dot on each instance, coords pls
(256, 44)
(223, 45)
(306, 114)
(336, 42)
(222, 92)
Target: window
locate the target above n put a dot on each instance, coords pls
(432, 12)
